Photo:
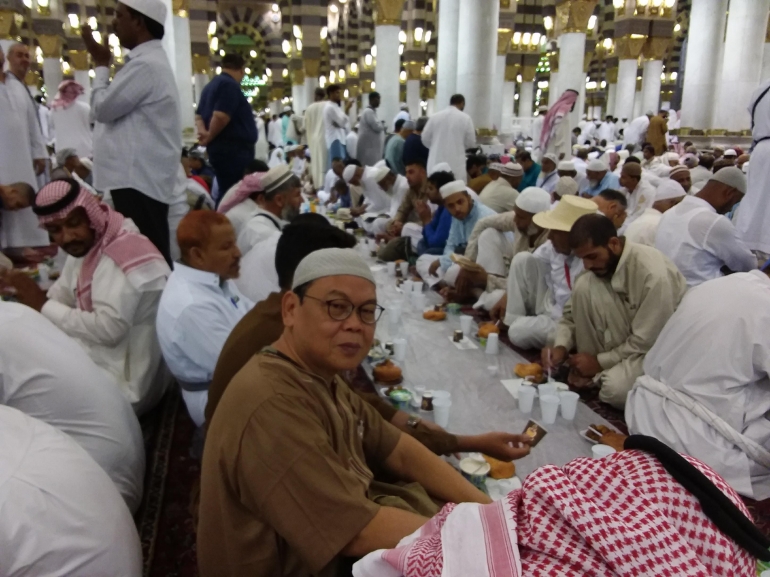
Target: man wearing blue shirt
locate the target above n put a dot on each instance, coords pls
(598, 178)
(225, 122)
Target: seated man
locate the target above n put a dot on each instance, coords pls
(681, 175)
(48, 376)
(396, 188)
(465, 212)
(565, 186)
(701, 173)
(500, 195)
(696, 235)
(16, 196)
(394, 150)
(649, 160)
(405, 228)
(616, 311)
(644, 229)
(227, 198)
(376, 201)
(598, 178)
(640, 192)
(331, 178)
(540, 282)
(530, 167)
(298, 444)
(69, 166)
(61, 513)
(491, 247)
(706, 396)
(200, 305)
(477, 178)
(568, 168)
(108, 293)
(242, 206)
(277, 206)
(548, 176)
(613, 205)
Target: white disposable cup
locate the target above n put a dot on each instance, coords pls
(493, 343)
(419, 390)
(440, 394)
(391, 269)
(399, 349)
(601, 451)
(492, 370)
(526, 398)
(549, 406)
(371, 243)
(406, 286)
(418, 301)
(441, 408)
(466, 321)
(404, 268)
(546, 389)
(417, 286)
(569, 401)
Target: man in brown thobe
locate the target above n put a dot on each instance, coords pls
(656, 132)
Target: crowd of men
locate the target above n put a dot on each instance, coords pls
(636, 270)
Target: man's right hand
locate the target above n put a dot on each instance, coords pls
(423, 211)
(100, 53)
(553, 357)
(434, 267)
(497, 312)
(502, 446)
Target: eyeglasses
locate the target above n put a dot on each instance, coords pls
(341, 309)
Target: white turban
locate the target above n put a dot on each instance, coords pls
(597, 165)
(512, 169)
(349, 172)
(567, 166)
(380, 173)
(331, 262)
(566, 186)
(533, 200)
(669, 189)
(451, 188)
(440, 167)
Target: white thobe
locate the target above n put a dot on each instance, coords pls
(753, 222)
(46, 375)
(241, 214)
(402, 114)
(447, 135)
(726, 376)
(177, 209)
(644, 228)
(330, 180)
(319, 152)
(701, 174)
(560, 143)
(606, 131)
(275, 133)
(258, 275)
(46, 124)
(636, 131)
(20, 142)
(700, 242)
(351, 144)
(642, 198)
(62, 516)
(73, 128)
(196, 314)
(376, 200)
(548, 181)
(336, 124)
(258, 228)
(261, 149)
(119, 334)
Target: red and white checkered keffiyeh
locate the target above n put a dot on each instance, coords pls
(137, 257)
(250, 184)
(68, 92)
(623, 516)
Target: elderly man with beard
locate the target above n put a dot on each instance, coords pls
(616, 311)
(108, 293)
(276, 207)
(286, 486)
(200, 305)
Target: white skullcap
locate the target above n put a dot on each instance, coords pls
(649, 113)
(566, 186)
(566, 166)
(623, 154)
(380, 173)
(496, 166)
(331, 262)
(730, 152)
(745, 167)
(512, 169)
(275, 177)
(593, 155)
(404, 106)
(440, 167)
(732, 177)
(576, 147)
(672, 156)
(153, 9)
(451, 188)
(552, 157)
(597, 165)
(669, 189)
(533, 200)
(287, 108)
(677, 169)
(349, 172)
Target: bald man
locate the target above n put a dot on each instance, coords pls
(640, 193)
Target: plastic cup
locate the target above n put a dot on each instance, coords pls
(601, 451)
(441, 408)
(526, 398)
(466, 321)
(399, 349)
(569, 401)
(549, 406)
(417, 286)
(492, 370)
(371, 243)
(418, 301)
(404, 266)
(391, 269)
(546, 389)
(493, 344)
(439, 394)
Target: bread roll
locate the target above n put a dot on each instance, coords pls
(531, 370)
(434, 315)
(487, 329)
(500, 469)
(386, 372)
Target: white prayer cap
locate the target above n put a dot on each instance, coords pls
(512, 169)
(566, 166)
(153, 9)
(287, 108)
(451, 188)
(275, 177)
(672, 156)
(564, 215)
(533, 200)
(677, 169)
(623, 154)
(380, 163)
(576, 147)
(331, 262)
(597, 165)
(349, 172)
(593, 156)
(440, 167)
(408, 125)
(745, 167)
(732, 177)
(566, 186)
(669, 189)
(380, 173)
(730, 152)
(649, 113)
(552, 157)
(404, 106)
(496, 166)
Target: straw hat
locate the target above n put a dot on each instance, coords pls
(569, 209)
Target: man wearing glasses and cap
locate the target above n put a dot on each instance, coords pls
(286, 487)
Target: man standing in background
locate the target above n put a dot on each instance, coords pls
(316, 139)
(370, 129)
(336, 122)
(226, 124)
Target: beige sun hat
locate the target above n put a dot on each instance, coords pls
(564, 215)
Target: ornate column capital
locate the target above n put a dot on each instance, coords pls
(528, 73)
(180, 8)
(629, 47)
(388, 12)
(7, 23)
(553, 60)
(587, 57)
(78, 59)
(504, 36)
(298, 77)
(413, 70)
(32, 78)
(276, 93)
(201, 63)
(612, 75)
(573, 15)
(511, 72)
(312, 66)
(50, 44)
(655, 48)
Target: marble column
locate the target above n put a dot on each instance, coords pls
(526, 98)
(638, 110)
(298, 97)
(183, 72)
(312, 66)
(497, 92)
(611, 77)
(79, 64)
(476, 61)
(446, 58)
(509, 93)
(766, 63)
(704, 44)
(6, 43)
(169, 38)
(52, 76)
(580, 106)
(431, 107)
(741, 67)
(553, 88)
(275, 107)
(200, 80)
(201, 65)
(386, 72)
(413, 72)
(651, 84)
(572, 47)
(628, 50)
